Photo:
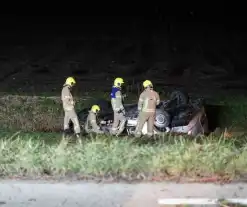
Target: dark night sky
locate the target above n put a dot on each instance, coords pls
(221, 13)
(122, 18)
(212, 25)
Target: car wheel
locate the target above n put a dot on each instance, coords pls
(162, 120)
(181, 97)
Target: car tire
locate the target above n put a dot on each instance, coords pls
(162, 120)
(181, 96)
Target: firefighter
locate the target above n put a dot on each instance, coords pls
(91, 124)
(118, 108)
(69, 107)
(147, 103)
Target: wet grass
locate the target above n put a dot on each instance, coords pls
(38, 154)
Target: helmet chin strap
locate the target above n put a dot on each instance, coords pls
(149, 87)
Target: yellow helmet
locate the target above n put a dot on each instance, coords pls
(147, 83)
(95, 108)
(70, 81)
(118, 82)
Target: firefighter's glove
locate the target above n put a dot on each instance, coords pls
(121, 111)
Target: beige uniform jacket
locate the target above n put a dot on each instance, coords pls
(67, 99)
(148, 101)
(117, 102)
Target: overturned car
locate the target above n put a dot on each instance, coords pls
(179, 114)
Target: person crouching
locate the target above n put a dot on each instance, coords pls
(91, 122)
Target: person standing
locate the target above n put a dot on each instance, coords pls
(147, 103)
(69, 107)
(118, 108)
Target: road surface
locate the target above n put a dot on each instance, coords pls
(49, 194)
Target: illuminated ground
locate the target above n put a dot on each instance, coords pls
(40, 193)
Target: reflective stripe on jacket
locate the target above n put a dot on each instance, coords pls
(148, 101)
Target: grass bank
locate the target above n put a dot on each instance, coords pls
(32, 113)
(37, 113)
(39, 154)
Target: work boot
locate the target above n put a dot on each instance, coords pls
(149, 136)
(78, 136)
(66, 133)
(168, 129)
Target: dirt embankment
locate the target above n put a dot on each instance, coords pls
(96, 61)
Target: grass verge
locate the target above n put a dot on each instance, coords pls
(35, 113)
(32, 113)
(47, 154)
